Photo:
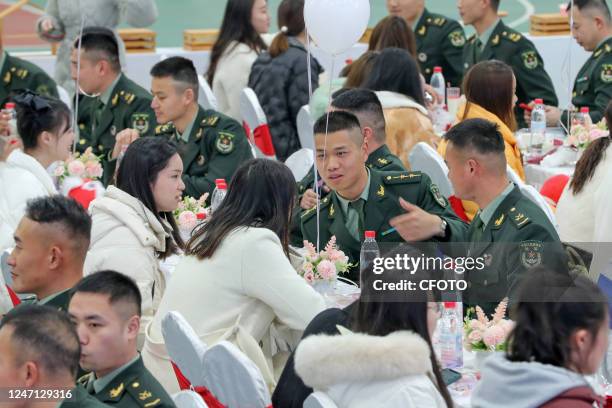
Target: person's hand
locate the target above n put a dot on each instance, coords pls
(123, 140)
(437, 99)
(527, 112)
(553, 115)
(309, 199)
(416, 224)
(7, 146)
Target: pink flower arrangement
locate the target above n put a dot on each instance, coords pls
(190, 211)
(84, 165)
(324, 265)
(484, 334)
(583, 135)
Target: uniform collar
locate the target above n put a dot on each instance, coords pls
(602, 44)
(486, 35)
(101, 383)
(487, 213)
(3, 59)
(52, 297)
(344, 203)
(381, 152)
(185, 135)
(106, 95)
(420, 20)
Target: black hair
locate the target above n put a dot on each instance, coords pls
(118, 287)
(549, 307)
(66, 213)
(599, 5)
(290, 15)
(236, 26)
(480, 135)
(495, 4)
(45, 335)
(100, 43)
(181, 70)
(336, 121)
(395, 70)
(37, 114)
(143, 161)
(364, 104)
(261, 194)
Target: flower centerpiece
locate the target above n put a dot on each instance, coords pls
(321, 269)
(84, 165)
(484, 334)
(189, 213)
(581, 135)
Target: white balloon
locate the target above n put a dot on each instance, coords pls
(336, 25)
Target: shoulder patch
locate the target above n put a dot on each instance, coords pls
(606, 73)
(435, 192)
(531, 253)
(225, 143)
(143, 395)
(457, 38)
(518, 218)
(403, 177)
(530, 59)
(140, 122)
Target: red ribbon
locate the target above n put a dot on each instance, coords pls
(457, 206)
(263, 140)
(13, 296)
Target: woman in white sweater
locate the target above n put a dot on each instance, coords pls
(44, 126)
(132, 224)
(236, 282)
(235, 50)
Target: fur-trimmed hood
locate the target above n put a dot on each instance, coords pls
(322, 361)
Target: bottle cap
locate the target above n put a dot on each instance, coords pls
(539, 101)
(449, 305)
(10, 105)
(220, 182)
(370, 234)
(201, 216)
(584, 109)
(437, 69)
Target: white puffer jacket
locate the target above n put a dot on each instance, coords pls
(125, 237)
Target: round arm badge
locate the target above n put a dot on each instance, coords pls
(435, 192)
(225, 143)
(140, 122)
(531, 253)
(530, 59)
(606, 73)
(457, 38)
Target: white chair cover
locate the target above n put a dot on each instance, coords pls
(513, 176)
(305, 123)
(300, 163)
(426, 159)
(188, 399)
(233, 379)
(184, 346)
(254, 116)
(533, 194)
(64, 96)
(206, 97)
(319, 399)
(6, 303)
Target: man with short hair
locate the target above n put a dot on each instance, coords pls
(39, 350)
(439, 39)
(105, 309)
(363, 199)
(495, 40)
(51, 242)
(211, 144)
(114, 110)
(593, 84)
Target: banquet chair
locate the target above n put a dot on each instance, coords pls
(513, 176)
(319, 399)
(533, 194)
(305, 124)
(206, 97)
(300, 163)
(256, 122)
(184, 346)
(424, 158)
(188, 399)
(64, 96)
(233, 378)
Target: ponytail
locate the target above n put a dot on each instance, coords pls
(291, 21)
(280, 44)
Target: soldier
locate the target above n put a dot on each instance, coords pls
(16, 73)
(119, 103)
(51, 243)
(439, 39)
(495, 40)
(593, 85)
(39, 350)
(367, 199)
(510, 232)
(105, 309)
(211, 144)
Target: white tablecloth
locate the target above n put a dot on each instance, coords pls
(536, 175)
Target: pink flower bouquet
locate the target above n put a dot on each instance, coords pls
(582, 135)
(324, 265)
(84, 165)
(190, 212)
(484, 334)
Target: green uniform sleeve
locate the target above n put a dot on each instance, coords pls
(452, 49)
(532, 79)
(44, 85)
(142, 118)
(603, 90)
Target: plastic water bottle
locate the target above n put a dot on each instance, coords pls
(9, 108)
(451, 337)
(538, 127)
(438, 84)
(369, 251)
(218, 194)
(584, 118)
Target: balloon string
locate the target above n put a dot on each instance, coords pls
(314, 153)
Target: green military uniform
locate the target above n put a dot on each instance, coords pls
(212, 147)
(124, 105)
(525, 239)
(17, 74)
(58, 301)
(81, 399)
(593, 85)
(132, 386)
(440, 41)
(508, 45)
(381, 205)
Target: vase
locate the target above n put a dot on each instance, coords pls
(480, 356)
(325, 287)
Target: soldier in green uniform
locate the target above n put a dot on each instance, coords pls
(16, 74)
(510, 232)
(440, 40)
(105, 309)
(51, 243)
(211, 144)
(367, 199)
(593, 84)
(495, 40)
(120, 103)
(40, 351)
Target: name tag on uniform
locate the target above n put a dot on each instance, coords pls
(582, 79)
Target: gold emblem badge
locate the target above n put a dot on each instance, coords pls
(144, 395)
(381, 191)
(115, 392)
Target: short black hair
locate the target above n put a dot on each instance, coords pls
(363, 103)
(600, 6)
(45, 335)
(480, 135)
(495, 4)
(102, 44)
(336, 121)
(118, 287)
(37, 114)
(65, 212)
(181, 70)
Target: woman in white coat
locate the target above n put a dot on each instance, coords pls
(236, 279)
(62, 22)
(132, 224)
(44, 126)
(235, 50)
